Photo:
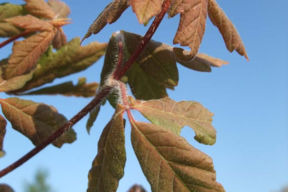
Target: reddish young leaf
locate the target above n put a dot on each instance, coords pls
(3, 124)
(82, 89)
(175, 115)
(35, 120)
(229, 33)
(192, 23)
(39, 8)
(108, 166)
(26, 54)
(60, 39)
(60, 8)
(145, 9)
(170, 163)
(30, 23)
(110, 14)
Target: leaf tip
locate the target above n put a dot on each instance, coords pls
(87, 35)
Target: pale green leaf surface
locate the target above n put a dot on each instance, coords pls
(170, 163)
(10, 10)
(8, 30)
(36, 121)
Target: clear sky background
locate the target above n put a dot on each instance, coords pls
(249, 100)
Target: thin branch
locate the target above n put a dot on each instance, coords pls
(11, 39)
(98, 98)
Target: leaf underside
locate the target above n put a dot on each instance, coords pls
(175, 115)
(60, 9)
(35, 120)
(108, 166)
(3, 124)
(170, 163)
(39, 8)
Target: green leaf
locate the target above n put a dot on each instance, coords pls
(170, 163)
(70, 59)
(156, 60)
(5, 188)
(82, 89)
(3, 124)
(108, 166)
(92, 117)
(14, 83)
(8, 30)
(36, 121)
(8, 10)
(175, 115)
(109, 15)
(143, 86)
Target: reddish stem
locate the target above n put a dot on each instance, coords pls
(98, 98)
(11, 39)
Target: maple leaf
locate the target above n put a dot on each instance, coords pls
(39, 8)
(175, 115)
(60, 9)
(3, 124)
(82, 89)
(170, 163)
(109, 15)
(145, 9)
(108, 166)
(192, 23)
(227, 29)
(35, 120)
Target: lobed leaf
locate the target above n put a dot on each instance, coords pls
(170, 163)
(5, 188)
(228, 31)
(60, 8)
(81, 89)
(108, 166)
(39, 8)
(192, 23)
(92, 118)
(26, 54)
(35, 120)
(175, 115)
(70, 59)
(14, 83)
(137, 188)
(144, 87)
(59, 40)
(3, 124)
(156, 60)
(8, 30)
(30, 23)
(109, 15)
(146, 9)
(8, 10)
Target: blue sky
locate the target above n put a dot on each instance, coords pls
(249, 100)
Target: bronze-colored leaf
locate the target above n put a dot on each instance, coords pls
(30, 23)
(175, 115)
(35, 120)
(82, 89)
(157, 59)
(70, 59)
(110, 14)
(26, 54)
(145, 9)
(137, 188)
(10, 10)
(5, 188)
(92, 117)
(170, 163)
(192, 23)
(108, 166)
(228, 31)
(60, 39)
(39, 8)
(143, 86)
(60, 8)
(3, 124)
(14, 83)
(8, 30)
